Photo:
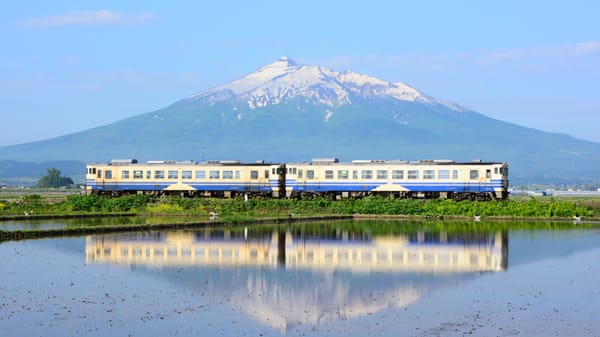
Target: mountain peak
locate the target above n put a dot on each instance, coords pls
(286, 61)
(283, 79)
(282, 65)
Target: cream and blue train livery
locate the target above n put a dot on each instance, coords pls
(475, 180)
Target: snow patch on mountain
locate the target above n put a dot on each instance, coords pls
(285, 79)
(328, 114)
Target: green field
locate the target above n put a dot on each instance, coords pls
(70, 202)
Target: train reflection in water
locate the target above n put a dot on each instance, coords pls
(288, 278)
(424, 252)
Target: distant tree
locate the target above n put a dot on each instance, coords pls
(54, 179)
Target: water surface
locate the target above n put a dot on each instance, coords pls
(351, 279)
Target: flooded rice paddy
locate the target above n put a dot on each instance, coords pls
(320, 279)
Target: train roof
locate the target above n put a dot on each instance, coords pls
(134, 162)
(316, 161)
(335, 161)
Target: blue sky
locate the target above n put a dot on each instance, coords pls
(68, 66)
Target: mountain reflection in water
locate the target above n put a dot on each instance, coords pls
(282, 278)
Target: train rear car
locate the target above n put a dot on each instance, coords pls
(185, 178)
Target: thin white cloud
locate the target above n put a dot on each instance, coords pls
(587, 47)
(86, 18)
(582, 56)
(556, 52)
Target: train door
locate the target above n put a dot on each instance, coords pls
(473, 184)
(253, 182)
(264, 183)
(301, 179)
(488, 181)
(312, 181)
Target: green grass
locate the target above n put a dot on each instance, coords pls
(237, 209)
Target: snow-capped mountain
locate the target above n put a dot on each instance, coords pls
(289, 112)
(285, 79)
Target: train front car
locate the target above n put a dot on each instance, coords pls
(425, 179)
(473, 180)
(447, 179)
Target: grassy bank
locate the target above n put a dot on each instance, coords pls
(239, 210)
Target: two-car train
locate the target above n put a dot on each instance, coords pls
(475, 180)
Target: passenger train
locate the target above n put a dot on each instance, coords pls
(326, 177)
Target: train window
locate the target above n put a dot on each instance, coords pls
(187, 174)
(253, 174)
(99, 174)
(328, 174)
(214, 174)
(495, 170)
(455, 174)
(443, 174)
(488, 174)
(342, 174)
(200, 174)
(382, 174)
(300, 173)
(397, 174)
(148, 174)
(274, 170)
(137, 174)
(125, 174)
(474, 174)
(159, 174)
(173, 174)
(413, 174)
(366, 174)
(108, 174)
(429, 174)
(266, 174)
(227, 174)
(355, 174)
(310, 174)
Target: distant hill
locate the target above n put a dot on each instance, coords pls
(290, 112)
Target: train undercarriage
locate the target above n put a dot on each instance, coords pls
(334, 195)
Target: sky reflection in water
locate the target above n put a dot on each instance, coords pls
(273, 280)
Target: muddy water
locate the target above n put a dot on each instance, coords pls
(348, 280)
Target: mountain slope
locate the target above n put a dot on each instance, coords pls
(288, 112)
